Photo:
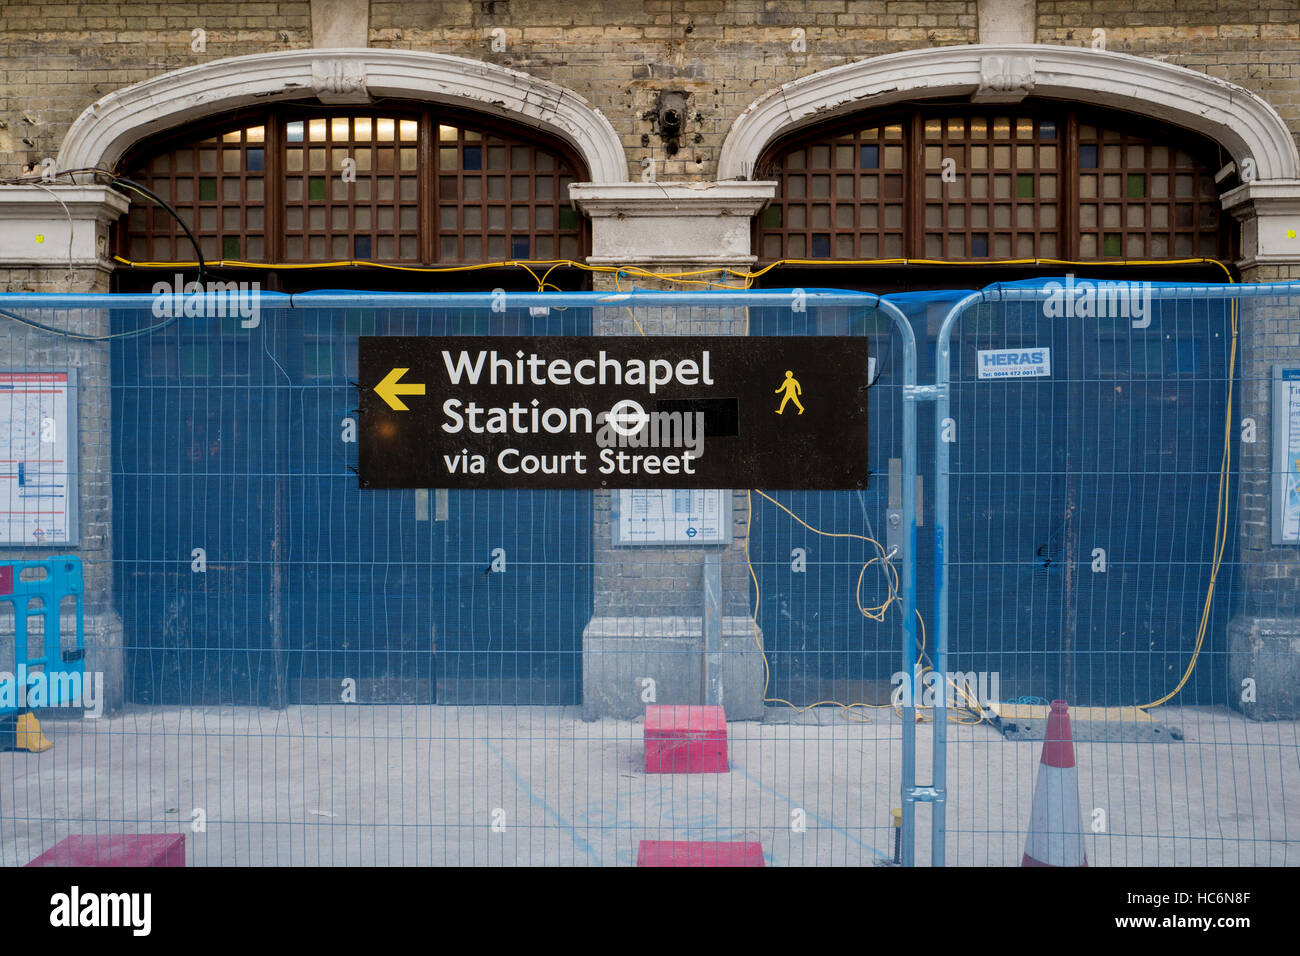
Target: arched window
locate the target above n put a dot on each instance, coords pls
(312, 184)
(1029, 181)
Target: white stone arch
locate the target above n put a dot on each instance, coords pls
(1243, 123)
(110, 126)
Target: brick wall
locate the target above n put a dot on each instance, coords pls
(1269, 334)
(1251, 43)
(58, 58)
(722, 53)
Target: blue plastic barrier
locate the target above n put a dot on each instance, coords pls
(62, 671)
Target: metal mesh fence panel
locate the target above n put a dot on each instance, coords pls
(313, 673)
(1103, 536)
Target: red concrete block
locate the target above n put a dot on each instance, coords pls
(685, 739)
(119, 849)
(687, 853)
(7, 579)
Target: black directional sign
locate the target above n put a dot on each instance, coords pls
(613, 412)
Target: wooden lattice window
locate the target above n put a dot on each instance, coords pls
(330, 215)
(499, 199)
(1140, 198)
(1000, 197)
(219, 182)
(993, 183)
(840, 199)
(312, 185)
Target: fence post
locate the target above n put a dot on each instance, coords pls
(943, 370)
(712, 577)
(907, 559)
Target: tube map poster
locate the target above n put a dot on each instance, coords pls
(36, 494)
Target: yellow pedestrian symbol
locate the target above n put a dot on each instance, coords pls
(792, 392)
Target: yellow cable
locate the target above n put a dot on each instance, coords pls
(619, 288)
(848, 711)
(877, 614)
(995, 262)
(690, 277)
(1221, 522)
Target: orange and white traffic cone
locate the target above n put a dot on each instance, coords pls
(1055, 821)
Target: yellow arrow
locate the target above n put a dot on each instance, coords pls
(389, 389)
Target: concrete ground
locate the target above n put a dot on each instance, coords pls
(335, 785)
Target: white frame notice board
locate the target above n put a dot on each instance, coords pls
(1286, 454)
(38, 458)
(671, 516)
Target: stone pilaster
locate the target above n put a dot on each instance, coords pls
(1264, 634)
(647, 618)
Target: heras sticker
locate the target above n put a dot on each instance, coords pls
(1014, 363)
